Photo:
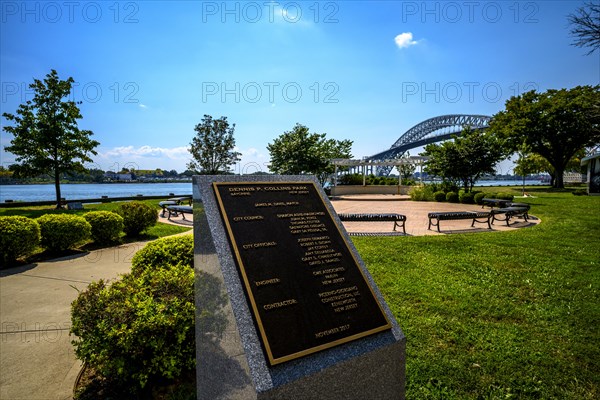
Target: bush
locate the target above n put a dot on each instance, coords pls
(141, 329)
(19, 236)
(63, 231)
(165, 251)
(479, 198)
(137, 217)
(452, 197)
(505, 196)
(106, 225)
(422, 193)
(439, 196)
(467, 198)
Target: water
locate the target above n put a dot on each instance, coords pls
(91, 190)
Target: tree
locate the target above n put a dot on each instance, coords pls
(466, 158)
(46, 136)
(555, 124)
(213, 146)
(407, 169)
(298, 152)
(586, 26)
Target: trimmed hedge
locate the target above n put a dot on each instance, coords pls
(63, 231)
(439, 196)
(19, 236)
(137, 217)
(452, 197)
(106, 225)
(479, 198)
(467, 198)
(166, 251)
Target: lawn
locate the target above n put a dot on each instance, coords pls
(499, 315)
(154, 232)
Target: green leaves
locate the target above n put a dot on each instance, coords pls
(46, 136)
(298, 152)
(212, 148)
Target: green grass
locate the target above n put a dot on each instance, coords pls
(157, 231)
(502, 314)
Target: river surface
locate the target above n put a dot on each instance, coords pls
(95, 191)
(46, 192)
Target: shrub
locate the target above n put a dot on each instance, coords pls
(137, 217)
(141, 329)
(19, 236)
(106, 225)
(580, 192)
(479, 198)
(505, 196)
(63, 231)
(422, 193)
(439, 196)
(165, 251)
(467, 198)
(452, 197)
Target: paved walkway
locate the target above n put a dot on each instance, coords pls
(37, 360)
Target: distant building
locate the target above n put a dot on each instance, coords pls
(593, 173)
(113, 176)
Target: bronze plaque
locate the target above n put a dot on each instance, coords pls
(306, 290)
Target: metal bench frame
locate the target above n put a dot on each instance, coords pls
(176, 210)
(397, 219)
(510, 212)
(477, 216)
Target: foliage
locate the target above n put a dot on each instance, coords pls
(586, 26)
(212, 148)
(137, 217)
(46, 136)
(422, 193)
(509, 315)
(452, 197)
(298, 152)
(19, 236)
(467, 198)
(478, 198)
(138, 328)
(166, 251)
(106, 225)
(466, 158)
(504, 196)
(439, 196)
(60, 232)
(357, 179)
(555, 124)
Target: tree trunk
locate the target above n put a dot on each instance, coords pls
(57, 187)
(558, 178)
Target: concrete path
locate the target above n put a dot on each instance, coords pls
(37, 360)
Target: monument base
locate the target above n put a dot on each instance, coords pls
(234, 358)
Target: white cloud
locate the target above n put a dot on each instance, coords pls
(405, 40)
(143, 106)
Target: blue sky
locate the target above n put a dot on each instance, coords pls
(147, 71)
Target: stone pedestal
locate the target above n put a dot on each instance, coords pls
(232, 360)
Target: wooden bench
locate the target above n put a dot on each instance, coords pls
(176, 210)
(397, 219)
(475, 216)
(513, 210)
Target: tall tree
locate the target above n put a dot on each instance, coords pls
(46, 137)
(555, 124)
(213, 147)
(585, 26)
(298, 152)
(466, 158)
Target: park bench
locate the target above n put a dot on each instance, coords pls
(500, 203)
(176, 210)
(513, 210)
(475, 216)
(397, 219)
(180, 200)
(165, 204)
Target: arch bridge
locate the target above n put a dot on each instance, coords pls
(433, 130)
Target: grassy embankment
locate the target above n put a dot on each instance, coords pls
(501, 314)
